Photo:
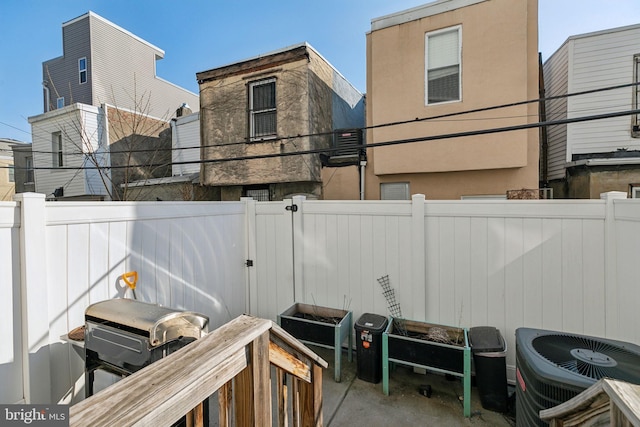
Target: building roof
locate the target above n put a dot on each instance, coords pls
(266, 60)
(90, 14)
(419, 12)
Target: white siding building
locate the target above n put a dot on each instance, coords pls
(587, 158)
(93, 95)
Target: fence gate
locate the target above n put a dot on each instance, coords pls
(270, 263)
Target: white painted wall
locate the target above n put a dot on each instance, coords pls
(567, 265)
(81, 127)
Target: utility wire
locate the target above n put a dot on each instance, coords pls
(397, 123)
(377, 144)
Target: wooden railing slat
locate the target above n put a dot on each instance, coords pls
(234, 360)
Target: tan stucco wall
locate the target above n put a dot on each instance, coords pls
(341, 183)
(584, 183)
(499, 66)
(7, 188)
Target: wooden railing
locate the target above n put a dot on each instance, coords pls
(234, 360)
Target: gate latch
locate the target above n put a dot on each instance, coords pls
(292, 208)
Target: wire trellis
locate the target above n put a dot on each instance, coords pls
(392, 304)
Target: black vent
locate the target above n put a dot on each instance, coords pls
(552, 367)
(347, 143)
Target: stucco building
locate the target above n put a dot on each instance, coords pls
(258, 115)
(428, 65)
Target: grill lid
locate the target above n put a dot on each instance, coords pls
(161, 324)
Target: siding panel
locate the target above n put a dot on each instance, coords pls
(556, 83)
(598, 61)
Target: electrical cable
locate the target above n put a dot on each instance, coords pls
(396, 123)
(378, 144)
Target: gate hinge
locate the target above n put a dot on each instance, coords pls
(249, 263)
(292, 208)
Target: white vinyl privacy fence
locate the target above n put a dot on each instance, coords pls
(564, 265)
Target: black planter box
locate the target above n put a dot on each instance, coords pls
(322, 326)
(413, 349)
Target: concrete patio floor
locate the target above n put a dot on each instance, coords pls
(357, 403)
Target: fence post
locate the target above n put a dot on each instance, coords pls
(610, 263)
(34, 298)
(418, 257)
(251, 303)
(298, 248)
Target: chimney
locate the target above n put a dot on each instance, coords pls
(183, 110)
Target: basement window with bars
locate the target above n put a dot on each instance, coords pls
(259, 194)
(262, 109)
(635, 119)
(443, 59)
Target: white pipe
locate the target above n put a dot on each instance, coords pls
(47, 97)
(605, 162)
(363, 164)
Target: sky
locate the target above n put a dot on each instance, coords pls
(199, 35)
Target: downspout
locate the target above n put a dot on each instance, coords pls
(363, 164)
(47, 98)
(544, 142)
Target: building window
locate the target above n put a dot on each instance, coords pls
(60, 102)
(635, 124)
(394, 191)
(56, 150)
(29, 170)
(634, 191)
(443, 58)
(12, 174)
(259, 194)
(82, 69)
(262, 109)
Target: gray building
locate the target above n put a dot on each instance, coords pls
(585, 159)
(103, 63)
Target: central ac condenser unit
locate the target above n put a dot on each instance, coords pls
(552, 367)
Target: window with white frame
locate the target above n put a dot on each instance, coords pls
(443, 60)
(56, 150)
(394, 191)
(12, 174)
(82, 70)
(635, 125)
(262, 109)
(634, 191)
(60, 102)
(29, 170)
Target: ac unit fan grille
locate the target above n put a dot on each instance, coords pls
(588, 357)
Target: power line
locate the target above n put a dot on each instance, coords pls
(396, 123)
(14, 127)
(376, 144)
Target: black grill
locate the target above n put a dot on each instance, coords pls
(123, 336)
